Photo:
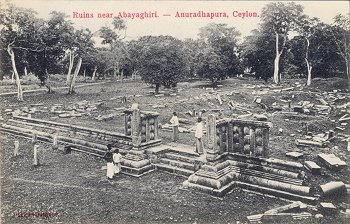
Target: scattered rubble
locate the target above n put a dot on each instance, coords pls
(344, 118)
(295, 155)
(301, 142)
(332, 161)
(184, 121)
(333, 188)
(260, 117)
(312, 167)
(290, 212)
(108, 117)
(157, 106)
(327, 208)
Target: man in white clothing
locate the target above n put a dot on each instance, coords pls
(175, 124)
(117, 157)
(199, 135)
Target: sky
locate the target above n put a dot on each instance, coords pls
(170, 25)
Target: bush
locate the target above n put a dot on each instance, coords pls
(58, 78)
(63, 77)
(29, 79)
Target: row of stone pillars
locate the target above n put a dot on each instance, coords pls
(142, 126)
(237, 136)
(35, 152)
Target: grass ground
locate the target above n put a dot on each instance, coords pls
(74, 185)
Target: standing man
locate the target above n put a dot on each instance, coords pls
(109, 159)
(116, 160)
(175, 123)
(199, 135)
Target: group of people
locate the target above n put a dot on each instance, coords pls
(198, 134)
(113, 162)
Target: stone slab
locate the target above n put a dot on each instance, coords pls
(332, 161)
(295, 155)
(312, 167)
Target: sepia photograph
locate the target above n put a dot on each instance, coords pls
(193, 112)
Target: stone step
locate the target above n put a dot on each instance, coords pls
(183, 152)
(181, 157)
(174, 170)
(179, 164)
(182, 149)
(271, 176)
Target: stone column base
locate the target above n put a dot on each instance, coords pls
(214, 178)
(218, 178)
(136, 163)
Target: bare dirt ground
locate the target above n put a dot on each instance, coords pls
(74, 185)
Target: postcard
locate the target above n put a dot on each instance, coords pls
(174, 111)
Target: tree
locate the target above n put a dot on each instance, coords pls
(160, 60)
(113, 37)
(257, 50)
(20, 33)
(280, 18)
(59, 40)
(322, 53)
(307, 29)
(341, 36)
(191, 51)
(210, 65)
(84, 45)
(222, 40)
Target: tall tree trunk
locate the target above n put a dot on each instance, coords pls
(308, 65)
(76, 72)
(157, 88)
(18, 81)
(347, 64)
(214, 82)
(13, 77)
(309, 74)
(118, 71)
(25, 71)
(71, 63)
(115, 72)
(122, 75)
(84, 74)
(277, 61)
(94, 73)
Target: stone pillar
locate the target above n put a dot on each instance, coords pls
(36, 160)
(136, 128)
(156, 128)
(212, 150)
(15, 152)
(252, 140)
(55, 141)
(135, 162)
(34, 138)
(127, 116)
(148, 134)
(230, 137)
(289, 104)
(265, 136)
(241, 138)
